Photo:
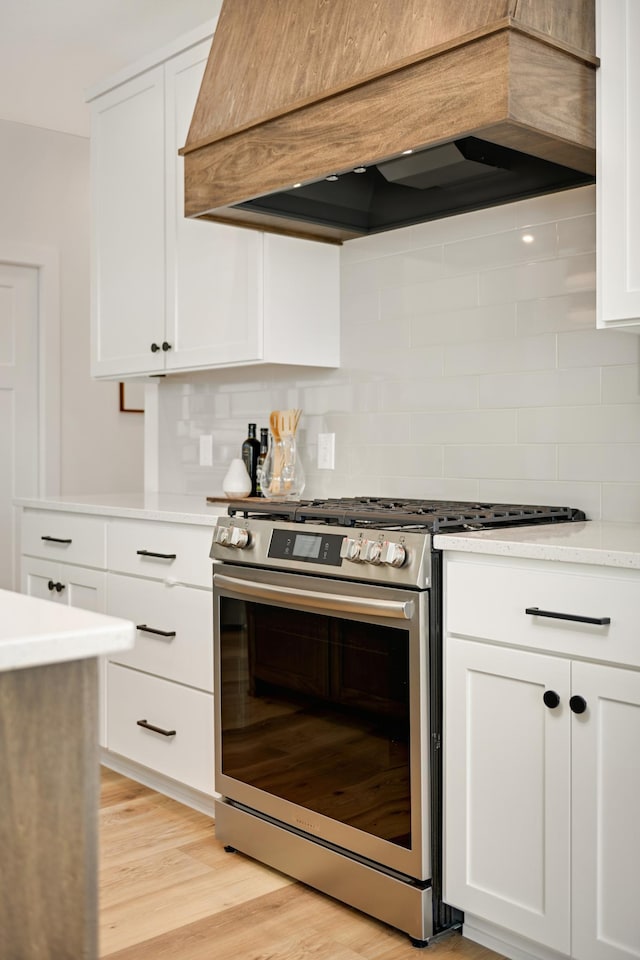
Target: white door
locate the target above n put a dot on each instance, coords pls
(507, 789)
(18, 404)
(605, 799)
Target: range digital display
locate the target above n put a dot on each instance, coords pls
(306, 547)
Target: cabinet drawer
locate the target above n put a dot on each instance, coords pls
(186, 612)
(186, 755)
(171, 551)
(488, 599)
(68, 537)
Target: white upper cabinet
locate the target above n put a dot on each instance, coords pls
(618, 160)
(173, 294)
(128, 241)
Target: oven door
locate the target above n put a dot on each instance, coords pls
(322, 707)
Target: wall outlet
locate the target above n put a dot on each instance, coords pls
(206, 450)
(326, 451)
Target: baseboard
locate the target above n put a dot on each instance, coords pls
(505, 942)
(202, 802)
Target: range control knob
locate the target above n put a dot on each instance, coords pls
(392, 554)
(350, 549)
(370, 551)
(232, 537)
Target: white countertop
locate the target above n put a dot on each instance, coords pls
(173, 507)
(594, 541)
(36, 632)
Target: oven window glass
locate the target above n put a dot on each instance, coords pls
(315, 710)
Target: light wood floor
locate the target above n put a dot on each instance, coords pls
(168, 891)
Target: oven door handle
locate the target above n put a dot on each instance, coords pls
(322, 602)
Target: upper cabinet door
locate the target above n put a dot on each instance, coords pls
(618, 158)
(214, 272)
(128, 249)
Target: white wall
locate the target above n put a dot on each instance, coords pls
(44, 200)
(471, 368)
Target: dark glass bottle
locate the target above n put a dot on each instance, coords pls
(264, 446)
(250, 453)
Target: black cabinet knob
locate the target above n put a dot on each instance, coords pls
(51, 585)
(551, 699)
(166, 346)
(578, 704)
(154, 347)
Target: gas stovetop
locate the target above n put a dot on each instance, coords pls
(368, 539)
(383, 513)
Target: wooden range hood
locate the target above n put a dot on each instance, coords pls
(298, 91)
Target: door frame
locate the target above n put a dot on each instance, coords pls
(47, 262)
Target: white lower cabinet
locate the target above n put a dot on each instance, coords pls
(605, 805)
(163, 725)
(507, 789)
(156, 700)
(77, 587)
(160, 694)
(542, 758)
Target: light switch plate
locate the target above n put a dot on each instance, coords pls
(326, 451)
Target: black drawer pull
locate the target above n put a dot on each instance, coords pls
(161, 556)
(55, 586)
(551, 699)
(537, 612)
(56, 540)
(160, 633)
(150, 726)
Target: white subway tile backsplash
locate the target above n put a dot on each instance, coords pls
(501, 356)
(507, 461)
(542, 388)
(590, 348)
(403, 460)
(464, 426)
(574, 311)
(432, 393)
(615, 462)
(621, 384)
(582, 496)
(621, 502)
(420, 299)
(544, 278)
(464, 326)
(587, 424)
(577, 235)
(501, 249)
(471, 369)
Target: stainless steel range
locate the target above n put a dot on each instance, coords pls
(328, 684)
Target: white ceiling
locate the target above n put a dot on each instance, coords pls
(51, 51)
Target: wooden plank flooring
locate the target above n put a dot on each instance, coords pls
(168, 891)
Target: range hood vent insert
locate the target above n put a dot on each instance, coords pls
(442, 108)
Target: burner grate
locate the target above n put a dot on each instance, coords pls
(427, 515)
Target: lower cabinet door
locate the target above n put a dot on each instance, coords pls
(77, 587)
(606, 802)
(162, 725)
(507, 789)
